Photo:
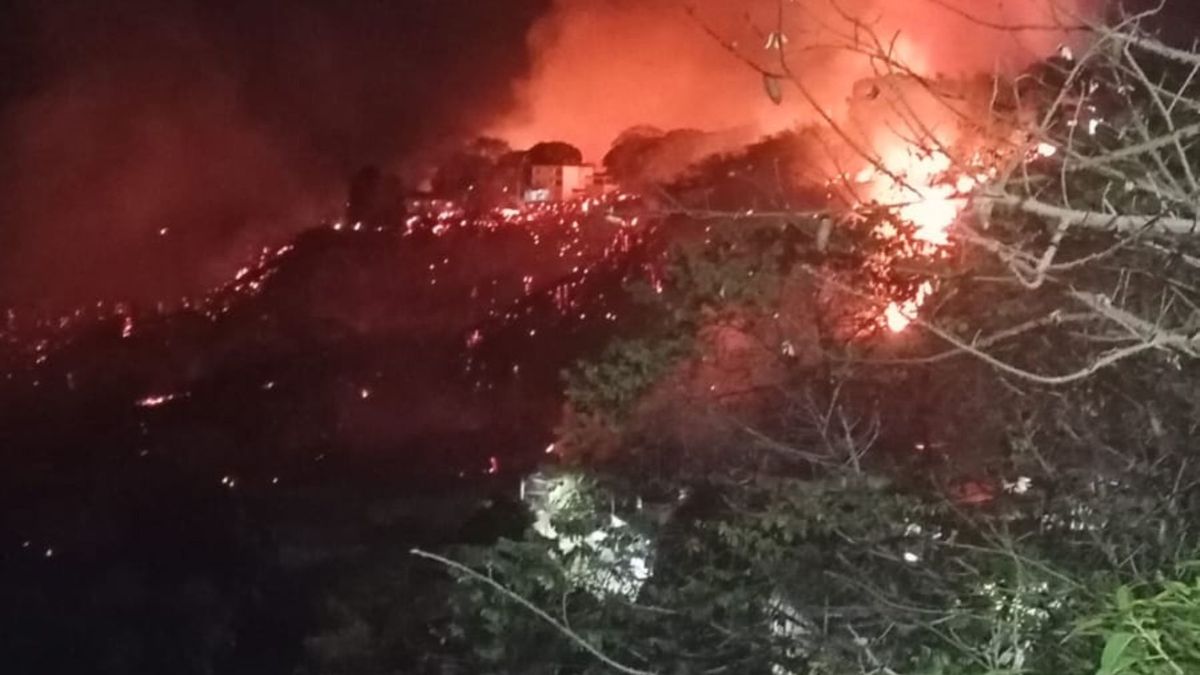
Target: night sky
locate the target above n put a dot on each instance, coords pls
(228, 123)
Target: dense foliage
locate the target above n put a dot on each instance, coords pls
(1007, 487)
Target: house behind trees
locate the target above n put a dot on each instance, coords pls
(560, 182)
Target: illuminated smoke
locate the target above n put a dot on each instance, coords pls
(603, 66)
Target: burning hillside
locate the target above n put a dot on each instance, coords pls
(909, 122)
(394, 326)
(761, 283)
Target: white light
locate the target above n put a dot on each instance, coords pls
(1020, 487)
(156, 401)
(638, 567)
(910, 557)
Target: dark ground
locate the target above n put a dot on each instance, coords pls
(330, 411)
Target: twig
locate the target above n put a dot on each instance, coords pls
(459, 567)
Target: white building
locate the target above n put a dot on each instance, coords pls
(560, 183)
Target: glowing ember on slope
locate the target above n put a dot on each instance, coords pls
(158, 400)
(568, 248)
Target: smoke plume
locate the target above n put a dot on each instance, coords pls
(602, 66)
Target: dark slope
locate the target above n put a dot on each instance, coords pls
(178, 489)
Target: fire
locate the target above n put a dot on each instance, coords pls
(916, 186)
(899, 315)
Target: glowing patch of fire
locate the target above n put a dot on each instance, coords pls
(912, 184)
(900, 315)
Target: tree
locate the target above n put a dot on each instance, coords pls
(975, 462)
(625, 156)
(643, 156)
(555, 153)
(376, 198)
(484, 173)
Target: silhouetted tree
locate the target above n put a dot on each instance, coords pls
(376, 198)
(624, 158)
(555, 152)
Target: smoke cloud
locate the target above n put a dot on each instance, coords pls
(602, 66)
(221, 124)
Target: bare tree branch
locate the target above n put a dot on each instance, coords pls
(572, 635)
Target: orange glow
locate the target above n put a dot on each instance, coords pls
(906, 132)
(603, 66)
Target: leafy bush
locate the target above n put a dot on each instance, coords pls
(1150, 628)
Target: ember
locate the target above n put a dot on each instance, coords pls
(158, 400)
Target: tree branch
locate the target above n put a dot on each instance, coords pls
(463, 569)
(1093, 219)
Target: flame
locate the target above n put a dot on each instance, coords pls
(899, 315)
(916, 186)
